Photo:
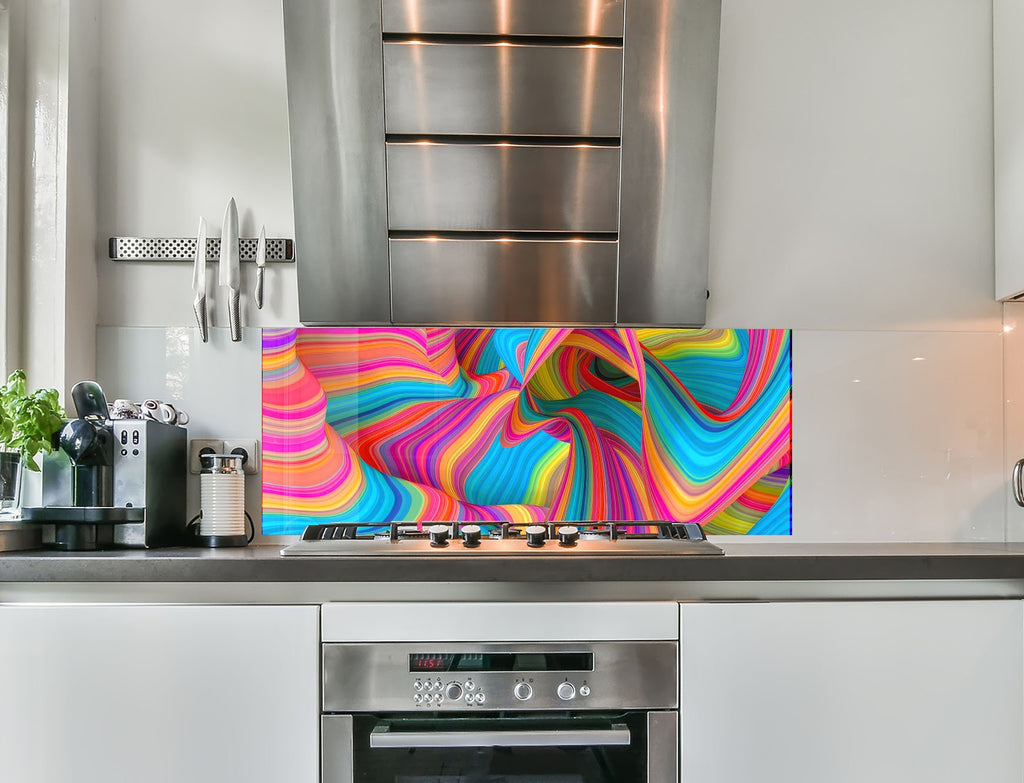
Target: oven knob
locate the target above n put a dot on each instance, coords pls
(438, 535)
(469, 699)
(417, 699)
(522, 691)
(479, 698)
(471, 535)
(535, 535)
(566, 691)
(453, 692)
(568, 535)
(470, 685)
(584, 690)
(417, 686)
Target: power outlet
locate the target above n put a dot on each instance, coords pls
(199, 446)
(250, 449)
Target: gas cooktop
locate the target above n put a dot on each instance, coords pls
(450, 539)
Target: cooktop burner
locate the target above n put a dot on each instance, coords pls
(462, 539)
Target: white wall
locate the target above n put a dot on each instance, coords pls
(852, 202)
(193, 112)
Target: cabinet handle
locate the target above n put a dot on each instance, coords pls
(1018, 488)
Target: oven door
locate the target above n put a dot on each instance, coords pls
(629, 747)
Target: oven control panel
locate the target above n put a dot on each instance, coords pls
(442, 692)
(434, 693)
(521, 676)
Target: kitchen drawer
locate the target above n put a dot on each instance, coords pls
(598, 18)
(502, 281)
(502, 187)
(502, 89)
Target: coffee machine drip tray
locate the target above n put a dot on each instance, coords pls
(90, 515)
(79, 528)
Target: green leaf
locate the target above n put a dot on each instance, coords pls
(28, 422)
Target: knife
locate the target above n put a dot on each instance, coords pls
(261, 262)
(229, 275)
(199, 281)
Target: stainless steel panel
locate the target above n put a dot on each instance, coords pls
(336, 749)
(646, 547)
(336, 124)
(375, 677)
(670, 77)
(495, 281)
(663, 747)
(502, 187)
(598, 18)
(502, 89)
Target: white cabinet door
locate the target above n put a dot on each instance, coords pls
(159, 694)
(1008, 121)
(874, 692)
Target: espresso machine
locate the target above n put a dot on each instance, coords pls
(112, 482)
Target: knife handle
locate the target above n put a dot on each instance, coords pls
(258, 293)
(235, 317)
(199, 307)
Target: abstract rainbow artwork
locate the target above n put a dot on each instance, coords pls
(527, 424)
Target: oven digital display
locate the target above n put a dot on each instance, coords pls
(502, 662)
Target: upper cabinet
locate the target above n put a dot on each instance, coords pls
(1008, 115)
(522, 161)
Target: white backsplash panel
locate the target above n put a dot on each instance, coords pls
(1013, 396)
(216, 383)
(897, 436)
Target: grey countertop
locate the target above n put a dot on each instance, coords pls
(742, 562)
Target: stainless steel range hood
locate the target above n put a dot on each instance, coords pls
(502, 161)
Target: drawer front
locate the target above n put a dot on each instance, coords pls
(502, 89)
(596, 18)
(502, 187)
(502, 281)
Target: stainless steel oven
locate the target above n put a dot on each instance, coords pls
(518, 712)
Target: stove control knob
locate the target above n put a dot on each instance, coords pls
(453, 692)
(568, 535)
(584, 690)
(471, 535)
(522, 691)
(535, 535)
(438, 535)
(566, 691)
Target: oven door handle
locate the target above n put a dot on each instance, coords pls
(383, 737)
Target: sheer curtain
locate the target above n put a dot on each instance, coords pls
(48, 135)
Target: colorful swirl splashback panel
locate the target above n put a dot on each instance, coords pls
(437, 424)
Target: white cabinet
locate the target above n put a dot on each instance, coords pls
(852, 692)
(159, 694)
(1008, 137)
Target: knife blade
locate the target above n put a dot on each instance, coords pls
(229, 273)
(199, 281)
(261, 262)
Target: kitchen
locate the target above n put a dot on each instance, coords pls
(852, 202)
